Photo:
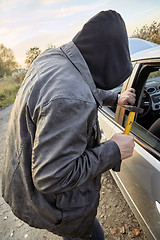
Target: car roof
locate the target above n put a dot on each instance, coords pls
(142, 49)
(150, 53)
(137, 45)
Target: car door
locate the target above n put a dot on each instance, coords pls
(139, 178)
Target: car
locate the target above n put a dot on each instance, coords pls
(137, 45)
(139, 177)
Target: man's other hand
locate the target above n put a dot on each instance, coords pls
(127, 97)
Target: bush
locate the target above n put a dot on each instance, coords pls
(9, 87)
(19, 77)
(150, 33)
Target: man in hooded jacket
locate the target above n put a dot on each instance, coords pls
(53, 159)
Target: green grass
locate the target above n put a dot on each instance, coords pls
(8, 89)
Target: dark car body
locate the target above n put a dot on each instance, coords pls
(139, 177)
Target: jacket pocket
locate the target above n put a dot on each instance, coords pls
(76, 198)
(79, 209)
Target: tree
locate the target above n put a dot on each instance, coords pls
(149, 33)
(31, 55)
(50, 45)
(7, 61)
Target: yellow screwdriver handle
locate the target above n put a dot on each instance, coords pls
(130, 120)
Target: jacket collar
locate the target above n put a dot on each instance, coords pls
(74, 55)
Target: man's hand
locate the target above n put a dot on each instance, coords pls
(126, 97)
(125, 144)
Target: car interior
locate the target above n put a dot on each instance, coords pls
(149, 99)
(146, 126)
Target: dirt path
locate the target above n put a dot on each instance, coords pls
(114, 214)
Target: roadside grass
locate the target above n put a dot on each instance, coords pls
(8, 89)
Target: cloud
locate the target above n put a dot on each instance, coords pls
(3, 31)
(14, 9)
(8, 4)
(154, 16)
(51, 2)
(65, 11)
(40, 40)
(149, 15)
(28, 23)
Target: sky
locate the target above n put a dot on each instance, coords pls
(40, 23)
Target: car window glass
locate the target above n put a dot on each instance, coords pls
(147, 126)
(145, 135)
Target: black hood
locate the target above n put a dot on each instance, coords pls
(103, 43)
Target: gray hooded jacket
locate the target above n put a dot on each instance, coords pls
(53, 158)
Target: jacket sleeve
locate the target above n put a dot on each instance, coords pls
(108, 97)
(60, 158)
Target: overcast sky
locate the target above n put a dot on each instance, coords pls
(28, 23)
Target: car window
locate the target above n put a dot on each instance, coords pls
(147, 125)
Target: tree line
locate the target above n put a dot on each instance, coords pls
(8, 63)
(33, 53)
(150, 33)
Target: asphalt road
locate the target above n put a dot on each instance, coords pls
(117, 219)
